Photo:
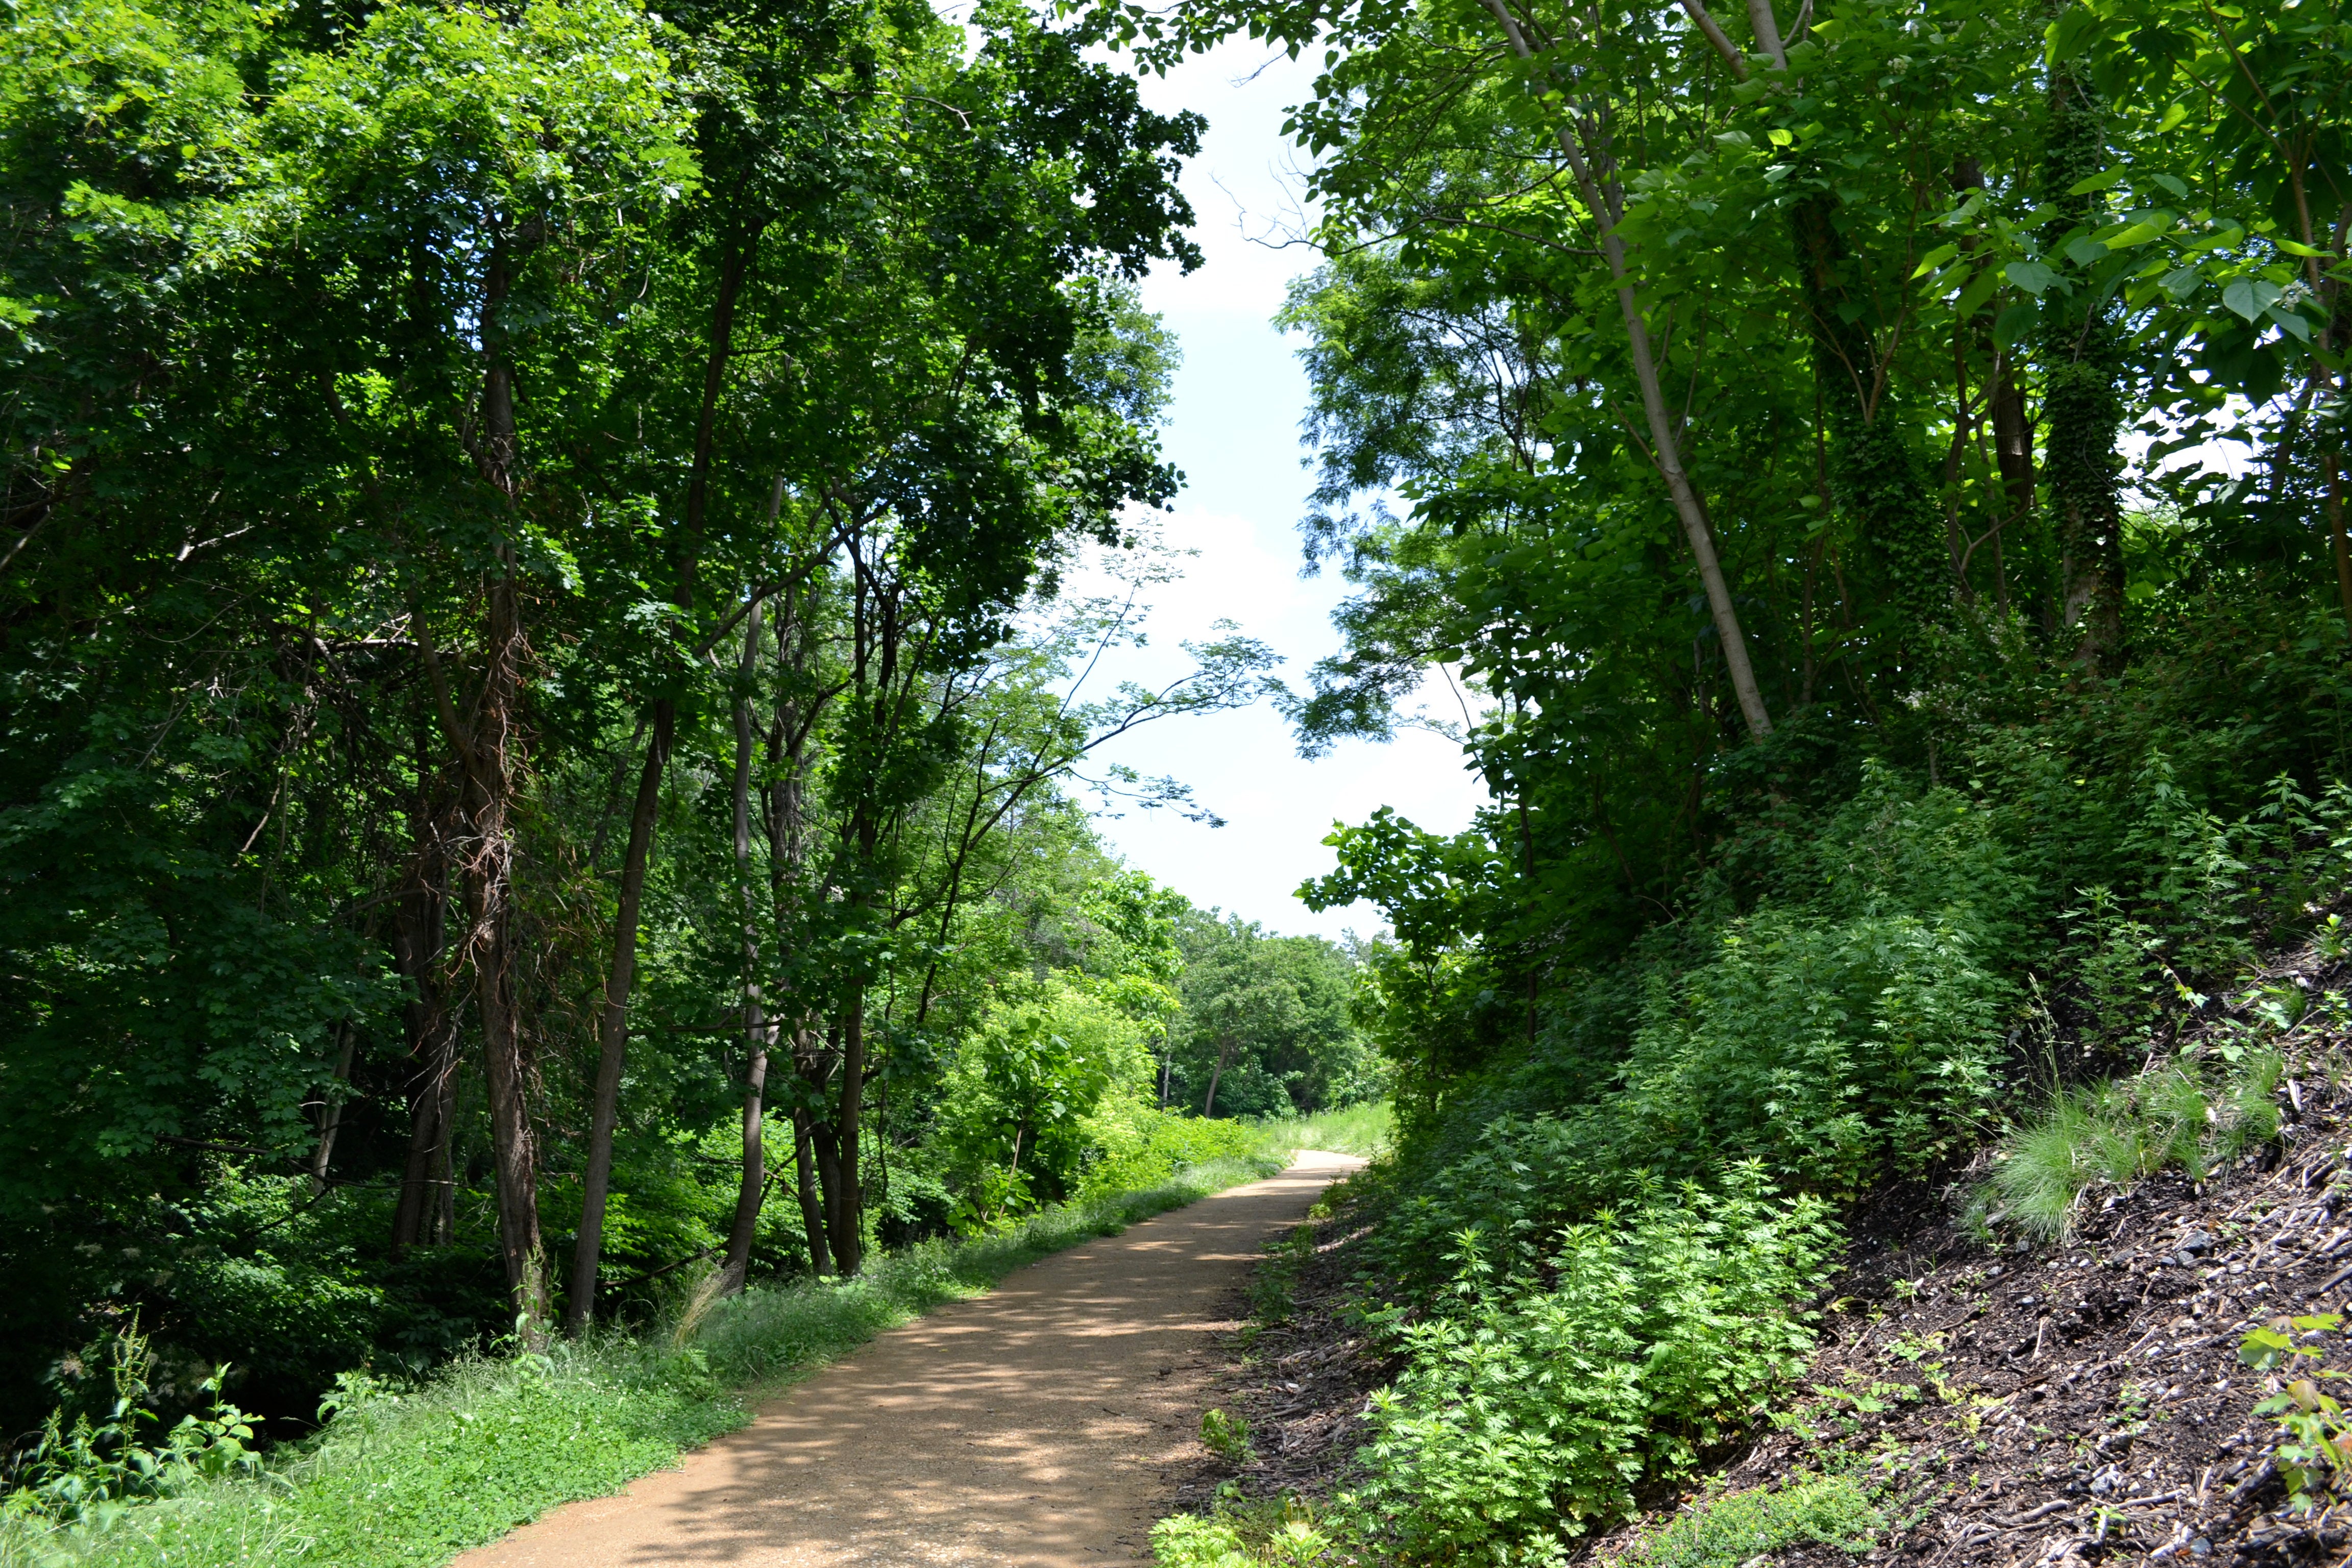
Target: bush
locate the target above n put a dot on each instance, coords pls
(1143, 1147)
(1829, 1050)
(1363, 1130)
(1526, 1412)
(1266, 1536)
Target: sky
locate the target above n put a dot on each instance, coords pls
(1234, 431)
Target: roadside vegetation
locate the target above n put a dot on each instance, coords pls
(405, 1474)
(548, 758)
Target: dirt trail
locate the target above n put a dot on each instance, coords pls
(1032, 1426)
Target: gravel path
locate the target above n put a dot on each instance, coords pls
(1034, 1426)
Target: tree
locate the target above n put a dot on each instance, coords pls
(1267, 1028)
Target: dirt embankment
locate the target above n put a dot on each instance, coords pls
(2009, 1406)
(1035, 1425)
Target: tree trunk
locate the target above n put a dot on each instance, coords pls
(1224, 1054)
(805, 1187)
(490, 756)
(1666, 446)
(419, 920)
(2335, 534)
(331, 1107)
(2083, 401)
(1876, 475)
(756, 1030)
(2012, 431)
(613, 1029)
(506, 1072)
(2012, 436)
(844, 1198)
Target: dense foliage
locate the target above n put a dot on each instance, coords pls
(545, 744)
(542, 736)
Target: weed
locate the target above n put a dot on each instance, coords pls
(1226, 1436)
(2314, 1450)
(1285, 1534)
(1527, 1414)
(1364, 1129)
(2118, 1132)
(1726, 1530)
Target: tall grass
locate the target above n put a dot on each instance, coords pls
(1362, 1130)
(2117, 1133)
(407, 1478)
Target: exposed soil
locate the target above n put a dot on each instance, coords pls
(1042, 1425)
(1301, 1372)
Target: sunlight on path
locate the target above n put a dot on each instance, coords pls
(1034, 1426)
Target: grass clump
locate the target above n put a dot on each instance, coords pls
(408, 1478)
(2116, 1133)
(1727, 1530)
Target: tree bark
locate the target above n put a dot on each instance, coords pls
(2335, 467)
(1224, 1054)
(612, 1027)
(331, 1110)
(419, 920)
(804, 1188)
(506, 1072)
(488, 755)
(2083, 403)
(845, 1199)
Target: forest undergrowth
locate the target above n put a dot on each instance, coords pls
(2142, 1369)
(1975, 1017)
(404, 1475)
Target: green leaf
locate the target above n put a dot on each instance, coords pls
(2172, 117)
(2105, 182)
(1933, 260)
(2138, 233)
(2033, 277)
(2297, 247)
(2250, 297)
(2083, 252)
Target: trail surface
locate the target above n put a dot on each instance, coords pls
(1032, 1426)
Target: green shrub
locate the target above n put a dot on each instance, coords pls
(1269, 1535)
(1727, 1531)
(1364, 1129)
(1226, 1436)
(1828, 1049)
(1143, 1147)
(1526, 1414)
